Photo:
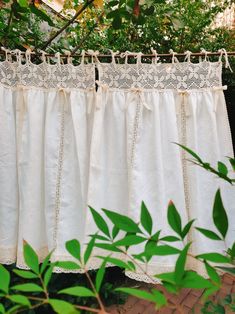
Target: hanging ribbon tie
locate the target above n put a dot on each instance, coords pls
(205, 52)
(65, 104)
(224, 52)
(187, 56)
(113, 54)
(126, 54)
(17, 52)
(139, 91)
(155, 59)
(183, 103)
(28, 53)
(43, 56)
(174, 59)
(93, 54)
(69, 58)
(105, 88)
(7, 52)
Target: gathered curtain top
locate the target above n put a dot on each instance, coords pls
(156, 75)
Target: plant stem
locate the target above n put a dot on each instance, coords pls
(67, 24)
(94, 289)
(36, 298)
(32, 307)
(44, 287)
(86, 308)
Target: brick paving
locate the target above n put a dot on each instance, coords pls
(188, 301)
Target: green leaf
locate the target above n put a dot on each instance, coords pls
(186, 228)
(170, 287)
(150, 10)
(162, 250)
(208, 292)
(118, 262)
(115, 232)
(228, 299)
(214, 257)
(14, 309)
(146, 219)
(108, 247)
(74, 248)
(31, 258)
(67, 265)
(156, 236)
(46, 262)
(48, 274)
(230, 270)
(62, 307)
(129, 240)
(23, 3)
(222, 168)
(78, 291)
(27, 274)
(4, 279)
(2, 309)
(208, 233)
(100, 275)
(191, 152)
(232, 162)
(232, 250)
(160, 299)
(20, 299)
(42, 15)
(219, 215)
(117, 22)
(89, 250)
(28, 287)
(148, 247)
(99, 237)
(167, 277)
(180, 264)
(174, 219)
(195, 281)
(212, 273)
(138, 293)
(100, 222)
(131, 265)
(122, 222)
(170, 239)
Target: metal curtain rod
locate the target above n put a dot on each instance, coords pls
(229, 53)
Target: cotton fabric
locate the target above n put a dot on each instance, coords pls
(65, 145)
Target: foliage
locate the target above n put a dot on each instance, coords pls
(135, 25)
(36, 290)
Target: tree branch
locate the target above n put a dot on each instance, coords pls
(67, 24)
(87, 35)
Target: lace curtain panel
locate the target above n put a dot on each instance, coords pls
(65, 145)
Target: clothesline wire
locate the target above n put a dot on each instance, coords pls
(193, 54)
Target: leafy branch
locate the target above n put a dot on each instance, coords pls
(79, 12)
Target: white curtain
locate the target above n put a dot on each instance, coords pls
(65, 145)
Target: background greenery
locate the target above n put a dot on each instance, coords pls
(119, 25)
